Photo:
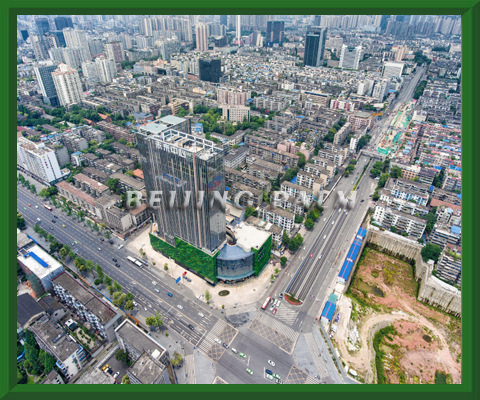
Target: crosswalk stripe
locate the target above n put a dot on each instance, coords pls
(287, 315)
(278, 326)
(209, 339)
(310, 380)
(319, 361)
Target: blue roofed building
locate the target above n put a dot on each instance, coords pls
(328, 312)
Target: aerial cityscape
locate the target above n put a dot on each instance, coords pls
(239, 199)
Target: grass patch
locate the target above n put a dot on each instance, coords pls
(379, 354)
(30, 380)
(224, 293)
(375, 273)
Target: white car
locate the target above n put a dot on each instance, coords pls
(320, 257)
(201, 314)
(218, 340)
(36, 206)
(272, 307)
(154, 283)
(180, 307)
(333, 222)
(270, 377)
(116, 374)
(145, 308)
(271, 363)
(158, 291)
(324, 237)
(38, 219)
(135, 303)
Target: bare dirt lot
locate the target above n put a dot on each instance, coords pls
(426, 340)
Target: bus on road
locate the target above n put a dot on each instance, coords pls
(139, 264)
(48, 207)
(131, 259)
(264, 306)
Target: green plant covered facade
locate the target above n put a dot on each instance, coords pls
(262, 255)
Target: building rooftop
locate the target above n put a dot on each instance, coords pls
(139, 209)
(27, 309)
(138, 339)
(59, 343)
(170, 120)
(91, 182)
(49, 304)
(84, 296)
(147, 369)
(128, 180)
(22, 240)
(249, 237)
(138, 173)
(39, 261)
(95, 376)
(76, 192)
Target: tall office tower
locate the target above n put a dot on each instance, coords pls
(210, 70)
(24, 34)
(384, 22)
(177, 162)
(114, 50)
(42, 26)
(106, 68)
(89, 69)
(317, 20)
(224, 19)
(63, 22)
(76, 37)
(68, 85)
(202, 37)
(38, 48)
(350, 57)
(239, 32)
(45, 81)
(95, 46)
(60, 39)
(232, 22)
(315, 46)
(275, 32)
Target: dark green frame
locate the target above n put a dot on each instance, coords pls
(470, 11)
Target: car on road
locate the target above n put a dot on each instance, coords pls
(116, 374)
(55, 216)
(29, 205)
(270, 377)
(281, 295)
(38, 219)
(201, 314)
(54, 221)
(235, 351)
(274, 311)
(145, 308)
(225, 345)
(73, 243)
(272, 307)
(158, 291)
(278, 381)
(242, 355)
(119, 247)
(154, 283)
(25, 208)
(105, 367)
(193, 328)
(324, 219)
(63, 225)
(36, 206)
(99, 249)
(333, 222)
(361, 201)
(169, 294)
(320, 257)
(102, 240)
(51, 228)
(180, 307)
(276, 376)
(135, 303)
(311, 255)
(188, 279)
(271, 363)
(267, 371)
(249, 371)
(218, 340)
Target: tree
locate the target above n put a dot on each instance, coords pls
(130, 297)
(107, 280)
(165, 267)
(98, 281)
(71, 255)
(393, 229)
(277, 271)
(117, 286)
(377, 169)
(298, 219)
(421, 241)
(285, 238)
(20, 221)
(121, 356)
(158, 319)
(396, 172)
(296, 242)
(120, 299)
(301, 160)
(309, 224)
(150, 321)
(208, 296)
(250, 211)
(100, 273)
(431, 252)
(177, 359)
(283, 261)
(63, 253)
(107, 234)
(383, 180)
(126, 379)
(129, 305)
(111, 289)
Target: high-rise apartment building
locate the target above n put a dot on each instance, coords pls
(234, 97)
(201, 32)
(315, 46)
(38, 160)
(114, 50)
(106, 68)
(75, 38)
(63, 22)
(350, 57)
(275, 32)
(68, 85)
(191, 167)
(210, 70)
(75, 56)
(38, 47)
(47, 87)
(89, 69)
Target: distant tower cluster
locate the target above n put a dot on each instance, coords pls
(239, 31)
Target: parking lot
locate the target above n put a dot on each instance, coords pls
(116, 366)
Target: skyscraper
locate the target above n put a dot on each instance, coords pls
(350, 57)
(38, 48)
(63, 22)
(239, 32)
(47, 87)
(89, 69)
(178, 162)
(315, 46)
(275, 32)
(201, 31)
(224, 19)
(114, 50)
(210, 70)
(317, 20)
(76, 37)
(42, 26)
(68, 85)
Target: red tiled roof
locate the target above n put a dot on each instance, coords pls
(436, 203)
(139, 209)
(138, 173)
(21, 128)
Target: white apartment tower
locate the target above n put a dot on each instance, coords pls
(350, 57)
(202, 36)
(68, 85)
(106, 68)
